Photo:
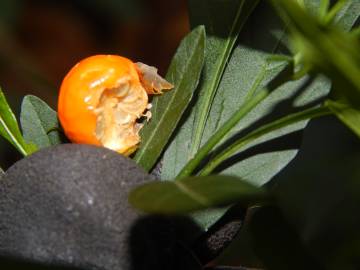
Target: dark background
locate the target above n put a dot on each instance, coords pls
(40, 40)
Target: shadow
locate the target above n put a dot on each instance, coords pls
(280, 109)
(162, 243)
(357, 23)
(262, 17)
(210, 244)
(8, 154)
(159, 242)
(267, 20)
(208, 13)
(287, 142)
(152, 242)
(338, 142)
(318, 193)
(271, 231)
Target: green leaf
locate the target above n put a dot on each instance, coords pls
(335, 53)
(347, 16)
(326, 49)
(267, 240)
(247, 72)
(347, 114)
(9, 128)
(184, 72)
(39, 122)
(194, 193)
(262, 167)
(217, 54)
(223, 22)
(323, 8)
(319, 194)
(271, 231)
(287, 120)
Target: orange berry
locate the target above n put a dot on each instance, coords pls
(102, 98)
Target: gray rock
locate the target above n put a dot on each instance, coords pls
(67, 205)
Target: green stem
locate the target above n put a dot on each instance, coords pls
(263, 130)
(250, 103)
(301, 73)
(12, 139)
(329, 17)
(323, 9)
(301, 3)
(220, 134)
(22, 150)
(207, 98)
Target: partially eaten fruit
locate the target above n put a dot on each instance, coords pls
(102, 99)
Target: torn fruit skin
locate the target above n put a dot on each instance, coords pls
(102, 98)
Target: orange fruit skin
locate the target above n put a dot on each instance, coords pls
(84, 82)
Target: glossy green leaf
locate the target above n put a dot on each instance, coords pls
(39, 122)
(347, 114)
(194, 193)
(9, 128)
(249, 69)
(184, 72)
